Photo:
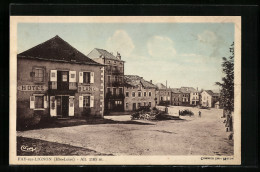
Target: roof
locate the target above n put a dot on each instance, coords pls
(160, 86)
(209, 92)
(56, 49)
(188, 90)
(135, 80)
(175, 90)
(107, 55)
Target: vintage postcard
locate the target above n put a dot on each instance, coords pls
(129, 90)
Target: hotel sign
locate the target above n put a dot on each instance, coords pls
(87, 89)
(32, 88)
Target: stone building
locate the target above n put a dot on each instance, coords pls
(176, 97)
(113, 81)
(56, 80)
(209, 98)
(195, 97)
(138, 92)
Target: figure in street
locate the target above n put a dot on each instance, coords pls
(199, 113)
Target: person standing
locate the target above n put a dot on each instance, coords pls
(199, 113)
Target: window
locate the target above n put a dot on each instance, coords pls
(144, 94)
(73, 75)
(144, 103)
(39, 74)
(126, 105)
(139, 104)
(150, 94)
(86, 77)
(118, 102)
(114, 91)
(133, 94)
(39, 102)
(120, 90)
(139, 94)
(150, 104)
(108, 90)
(127, 94)
(108, 79)
(86, 101)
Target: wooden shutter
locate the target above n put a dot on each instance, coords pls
(80, 77)
(72, 80)
(53, 75)
(71, 106)
(91, 101)
(32, 100)
(80, 101)
(45, 101)
(91, 77)
(53, 106)
(71, 73)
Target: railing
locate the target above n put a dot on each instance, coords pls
(54, 85)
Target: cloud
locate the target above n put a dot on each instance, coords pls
(212, 41)
(161, 47)
(120, 42)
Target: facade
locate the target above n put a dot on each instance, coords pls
(208, 98)
(176, 97)
(195, 97)
(186, 95)
(56, 80)
(113, 81)
(138, 92)
(163, 94)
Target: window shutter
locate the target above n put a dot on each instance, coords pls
(71, 106)
(45, 101)
(80, 77)
(72, 80)
(91, 101)
(91, 77)
(53, 104)
(32, 100)
(72, 73)
(53, 75)
(80, 101)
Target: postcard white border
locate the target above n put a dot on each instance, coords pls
(125, 160)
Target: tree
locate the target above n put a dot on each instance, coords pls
(227, 84)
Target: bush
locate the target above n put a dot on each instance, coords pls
(186, 112)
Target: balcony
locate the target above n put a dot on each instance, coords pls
(62, 87)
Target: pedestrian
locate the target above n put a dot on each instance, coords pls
(199, 114)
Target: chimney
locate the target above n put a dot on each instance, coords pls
(166, 83)
(118, 55)
(151, 81)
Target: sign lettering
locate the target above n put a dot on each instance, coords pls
(32, 88)
(87, 89)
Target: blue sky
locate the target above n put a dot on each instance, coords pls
(184, 54)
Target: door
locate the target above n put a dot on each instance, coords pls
(63, 80)
(65, 106)
(62, 106)
(134, 106)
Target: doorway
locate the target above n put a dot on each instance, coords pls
(134, 106)
(62, 106)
